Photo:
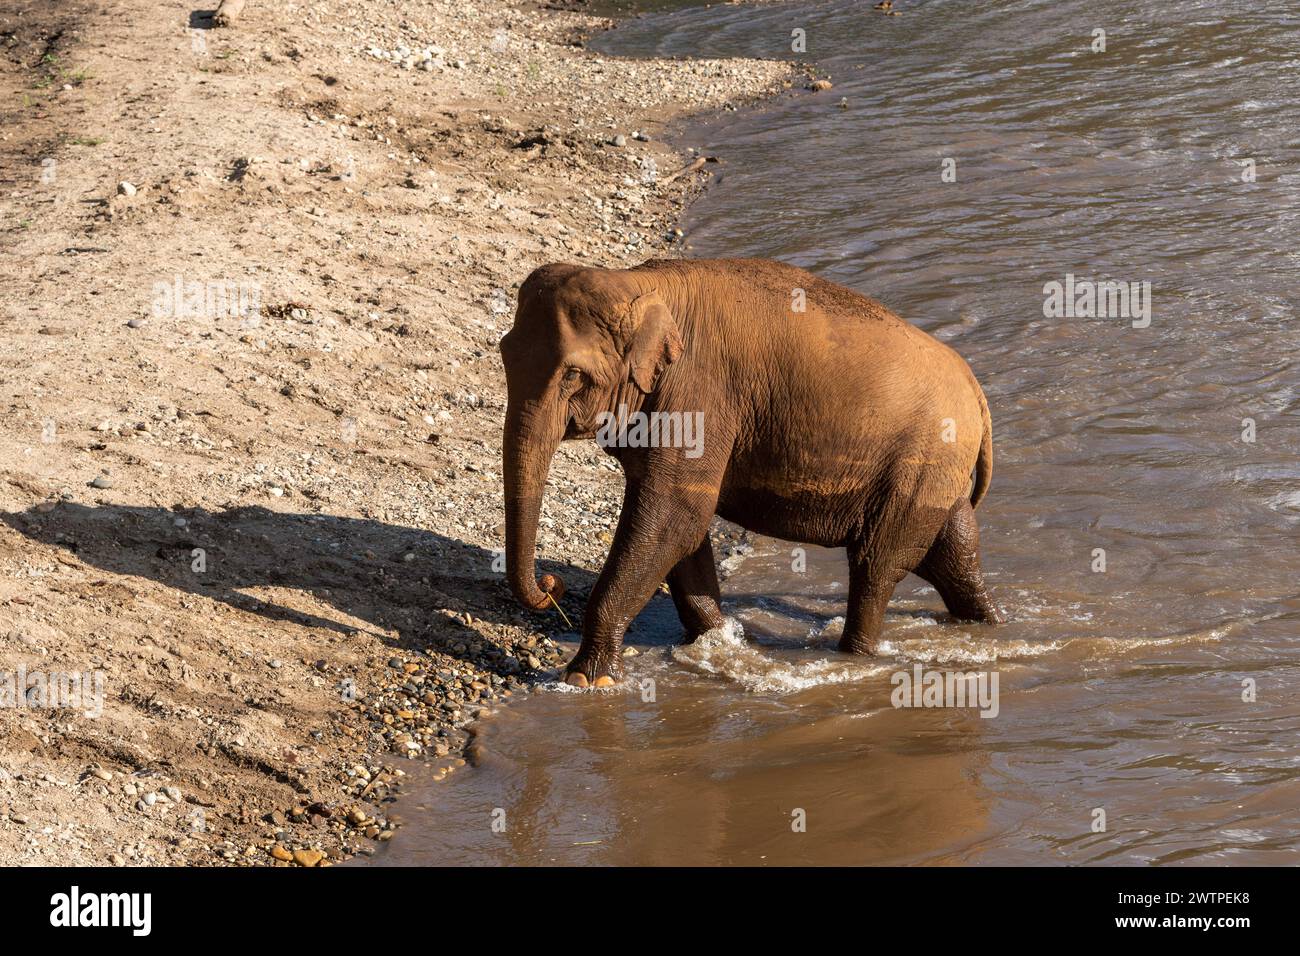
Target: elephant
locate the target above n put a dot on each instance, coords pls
(826, 419)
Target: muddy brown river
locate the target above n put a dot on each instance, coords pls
(1141, 530)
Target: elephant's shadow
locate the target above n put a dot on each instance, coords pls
(356, 566)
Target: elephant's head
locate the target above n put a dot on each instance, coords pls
(584, 341)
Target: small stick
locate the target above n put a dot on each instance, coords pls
(693, 167)
(558, 608)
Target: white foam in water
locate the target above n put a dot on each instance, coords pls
(1286, 501)
(832, 629)
(965, 650)
(724, 652)
(1115, 646)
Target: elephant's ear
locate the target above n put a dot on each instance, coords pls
(655, 343)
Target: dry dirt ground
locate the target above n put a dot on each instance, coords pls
(253, 280)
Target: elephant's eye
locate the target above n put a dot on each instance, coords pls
(572, 377)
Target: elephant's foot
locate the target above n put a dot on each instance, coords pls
(990, 613)
(859, 644)
(592, 670)
(579, 679)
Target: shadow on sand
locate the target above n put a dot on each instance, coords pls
(358, 567)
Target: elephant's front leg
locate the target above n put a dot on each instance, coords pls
(693, 583)
(656, 530)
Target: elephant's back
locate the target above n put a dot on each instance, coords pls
(848, 335)
(791, 306)
(817, 336)
(767, 291)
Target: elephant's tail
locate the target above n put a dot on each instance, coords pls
(984, 463)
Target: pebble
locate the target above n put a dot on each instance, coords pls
(819, 85)
(619, 140)
(281, 854)
(308, 857)
(125, 188)
(102, 482)
(135, 323)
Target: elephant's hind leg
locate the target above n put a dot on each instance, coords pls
(892, 544)
(952, 565)
(693, 583)
(870, 586)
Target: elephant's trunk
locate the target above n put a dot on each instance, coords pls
(528, 446)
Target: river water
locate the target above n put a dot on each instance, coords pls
(1158, 695)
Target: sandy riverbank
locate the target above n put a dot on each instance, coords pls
(271, 532)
